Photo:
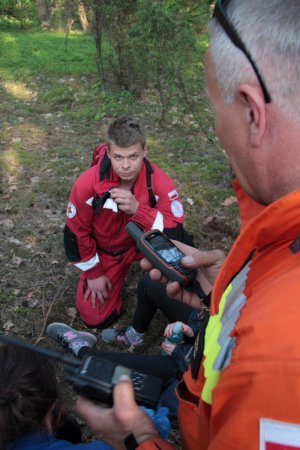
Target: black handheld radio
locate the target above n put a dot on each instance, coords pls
(95, 377)
(162, 253)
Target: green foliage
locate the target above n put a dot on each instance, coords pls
(18, 13)
(151, 43)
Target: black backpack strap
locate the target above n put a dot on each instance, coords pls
(149, 171)
(104, 168)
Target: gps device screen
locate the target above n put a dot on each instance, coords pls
(165, 248)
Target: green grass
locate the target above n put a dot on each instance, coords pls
(40, 53)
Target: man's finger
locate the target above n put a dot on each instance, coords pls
(89, 412)
(203, 259)
(124, 400)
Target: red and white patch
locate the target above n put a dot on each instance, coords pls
(177, 208)
(71, 210)
(275, 435)
(173, 195)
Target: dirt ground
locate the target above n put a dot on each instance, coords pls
(37, 285)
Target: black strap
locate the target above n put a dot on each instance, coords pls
(105, 172)
(105, 168)
(149, 171)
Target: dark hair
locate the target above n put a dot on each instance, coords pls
(28, 390)
(126, 131)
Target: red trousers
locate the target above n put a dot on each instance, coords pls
(115, 268)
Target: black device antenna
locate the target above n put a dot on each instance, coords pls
(41, 350)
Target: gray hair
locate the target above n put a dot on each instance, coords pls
(270, 30)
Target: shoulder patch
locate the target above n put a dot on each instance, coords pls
(173, 195)
(275, 435)
(71, 210)
(177, 208)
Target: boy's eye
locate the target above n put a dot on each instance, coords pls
(118, 157)
(133, 157)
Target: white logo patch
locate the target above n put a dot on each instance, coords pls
(275, 435)
(71, 210)
(177, 208)
(173, 195)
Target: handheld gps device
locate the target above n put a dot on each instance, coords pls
(162, 254)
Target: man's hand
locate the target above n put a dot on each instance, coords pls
(208, 265)
(97, 289)
(125, 200)
(114, 424)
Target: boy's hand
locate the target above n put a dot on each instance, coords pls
(125, 200)
(98, 290)
(184, 328)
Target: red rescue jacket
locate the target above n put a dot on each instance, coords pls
(87, 233)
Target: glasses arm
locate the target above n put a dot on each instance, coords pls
(221, 16)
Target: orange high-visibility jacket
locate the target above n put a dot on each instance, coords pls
(250, 370)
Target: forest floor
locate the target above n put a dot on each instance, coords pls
(49, 128)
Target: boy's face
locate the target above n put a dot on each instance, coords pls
(127, 162)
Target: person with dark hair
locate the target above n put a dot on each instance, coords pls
(120, 187)
(32, 412)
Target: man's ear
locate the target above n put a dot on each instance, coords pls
(255, 108)
(145, 151)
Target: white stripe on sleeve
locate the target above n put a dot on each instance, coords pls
(86, 265)
(158, 222)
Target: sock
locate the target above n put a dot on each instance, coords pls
(76, 346)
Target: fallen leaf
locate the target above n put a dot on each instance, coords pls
(7, 223)
(15, 241)
(72, 312)
(32, 303)
(17, 260)
(8, 325)
(229, 201)
(35, 180)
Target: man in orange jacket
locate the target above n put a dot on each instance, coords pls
(244, 393)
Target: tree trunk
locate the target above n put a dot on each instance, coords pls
(43, 13)
(69, 9)
(83, 16)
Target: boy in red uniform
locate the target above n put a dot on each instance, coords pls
(121, 186)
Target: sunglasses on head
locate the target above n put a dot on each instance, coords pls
(222, 17)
